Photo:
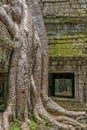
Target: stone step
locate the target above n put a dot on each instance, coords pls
(69, 104)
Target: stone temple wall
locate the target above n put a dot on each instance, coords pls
(66, 26)
(66, 22)
(77, 66)
(64, 16)
(6, 47)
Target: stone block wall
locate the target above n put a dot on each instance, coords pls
(66, 26)
(66, 22)
(77, 66)
(6, 47)
(64, 7)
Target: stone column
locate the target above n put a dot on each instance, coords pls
(80, 84)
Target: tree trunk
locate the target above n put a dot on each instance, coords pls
(28, 75)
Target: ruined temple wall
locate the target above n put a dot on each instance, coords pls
(64, 7)
(6, 47)
(66, 21)
(77, 66)
(64, 17)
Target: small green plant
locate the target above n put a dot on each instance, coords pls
(15, 125)
(33, 125)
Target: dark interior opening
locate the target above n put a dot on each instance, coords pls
(61, 85)
(3, 91)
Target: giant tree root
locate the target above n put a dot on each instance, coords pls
(64, 122)
(41, 113)
(24, 126)
(45, 108)
(55, 108)
(5, 119)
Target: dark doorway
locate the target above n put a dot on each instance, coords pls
(61, 85)
(3, 91)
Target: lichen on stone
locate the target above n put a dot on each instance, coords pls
(5, 37)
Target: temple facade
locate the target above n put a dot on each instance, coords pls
(66, 26)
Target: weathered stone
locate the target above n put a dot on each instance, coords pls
(6, 47)
(25, 126)
(42, 127)
(75, 65)
(54, 128)
(2, 107)
(70, 23)
(66, 18)
(84, 51)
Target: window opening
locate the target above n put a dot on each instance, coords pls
(61, 85)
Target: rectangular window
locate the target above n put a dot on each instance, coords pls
(61, 84)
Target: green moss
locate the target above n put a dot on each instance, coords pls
(73, 18)
(67, 45)
(59, 19)
(5, 37)
(60, 41)
(74, 13)
(33, 125)
(15, 125)
(64, 49)
(72, 36)
(1, 3)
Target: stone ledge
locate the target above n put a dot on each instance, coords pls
(72, 61)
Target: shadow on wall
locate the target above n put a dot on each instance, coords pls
(3, 91)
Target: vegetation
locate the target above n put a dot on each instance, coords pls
(15, 125)
(65, 50)
(33, 125)
(69, 104)
(5, 37)
(67, 45)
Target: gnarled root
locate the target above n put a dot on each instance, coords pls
(45, 108)
(64, 122)
(24, 126)
(8, 116)
(5, 119)
(55, 109)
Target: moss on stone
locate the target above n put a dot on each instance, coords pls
(61, 20)
(6, 46)
(1, 3)
(65, 50)
(5, 37)
(67, 45)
